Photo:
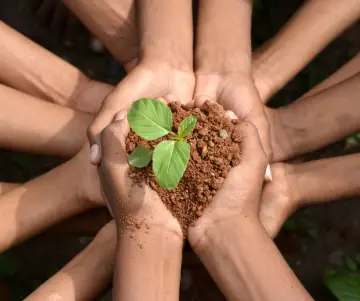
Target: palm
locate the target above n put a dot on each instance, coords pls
(237, 93)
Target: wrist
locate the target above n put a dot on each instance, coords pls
(139, 229)
(209, 234)
(169, 61)
(221, 61)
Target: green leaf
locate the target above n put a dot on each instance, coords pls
(150, 118)
(344, 285)
(351, 264)
(140, 157)
(357, 257)
(187, 126)
(169, 162)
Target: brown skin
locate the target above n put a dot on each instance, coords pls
(150, 240)
(223, 62)
(245, 263)
(85, 276)
(313, 26)
(281, 135)
(27, 211)
(165, 69)
(21, 129)
(114, 24)
(45, 75)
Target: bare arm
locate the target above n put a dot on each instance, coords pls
(316, 24)
(241, 250)
(348, 70)
(150, 259)
(113, 22)
(31, 125)
(305, 125)
(223, 37)
(84, 277)
(32, 69)
(166, 32)
(55, 196)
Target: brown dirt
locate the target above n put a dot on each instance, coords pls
(212, 156)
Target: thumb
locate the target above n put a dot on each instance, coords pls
(250, 172)
(113, 140)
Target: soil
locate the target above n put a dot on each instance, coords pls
(322, 236)
(215, 149)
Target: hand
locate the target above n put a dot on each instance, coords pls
(89, 189)
(156, 80)
(236, 92)
(130, 203)
(278, 199)
(239, 197)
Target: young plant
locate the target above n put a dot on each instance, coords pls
(151, 119)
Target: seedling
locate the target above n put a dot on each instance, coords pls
(151, 119)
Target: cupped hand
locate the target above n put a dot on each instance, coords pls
(236, 92)
(239, 197)
(89, 189)
(156, 80)
(130, 203)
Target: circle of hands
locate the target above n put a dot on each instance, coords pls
(96, 173)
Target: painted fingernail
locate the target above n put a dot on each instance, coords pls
(94, 153)
(120, 116)
(231, 115)
(268, 175)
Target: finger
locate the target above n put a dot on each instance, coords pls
(114, 166)
(257, 117)
(136, 85)
(268, 176)
(113, 140)
(251, 170)
(205, 89)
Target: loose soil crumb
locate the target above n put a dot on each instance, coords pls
(215, 148)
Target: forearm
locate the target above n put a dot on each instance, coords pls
(223, 36)
(34, 70)
(296, 123)
(35, 206)
(326, 180)
(31, 125)
(113, 23)
(346, 71)
(6, 187)
(236, 252)
(166, 33)
(86, 275)
(302, 38)
(150, 259)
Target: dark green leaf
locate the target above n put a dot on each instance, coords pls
(150, 118)
(140, 157)
(351, 264)
(187, 126)
(344, 285)
(169, 162)
(357, 257)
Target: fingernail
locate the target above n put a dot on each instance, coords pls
(231, 115)
(94, 153)
(268, 175)
(120, 116)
